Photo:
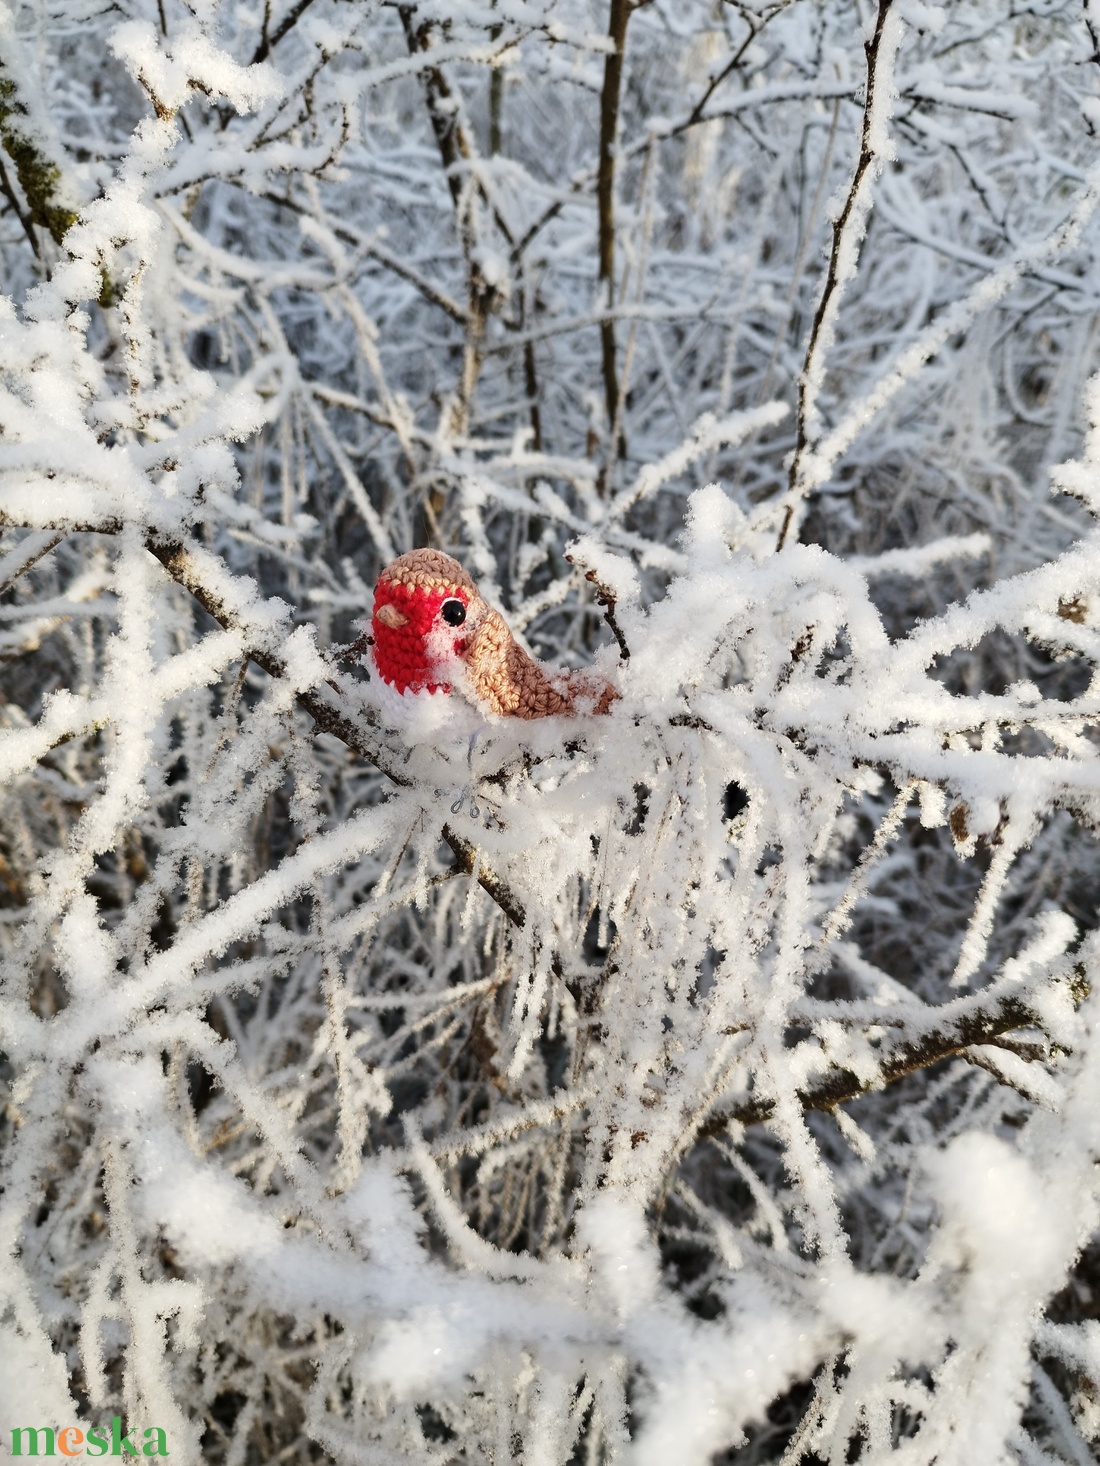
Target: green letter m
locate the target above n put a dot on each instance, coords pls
(32, 1432)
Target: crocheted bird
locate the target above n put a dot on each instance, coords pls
(445, 661)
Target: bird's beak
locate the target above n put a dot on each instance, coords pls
(390, 616)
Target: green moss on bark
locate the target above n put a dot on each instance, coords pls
(38, 176)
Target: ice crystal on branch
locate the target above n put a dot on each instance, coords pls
(710, 1080)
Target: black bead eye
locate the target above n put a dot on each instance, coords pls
(453, 612)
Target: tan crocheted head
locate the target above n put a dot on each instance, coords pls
(434, 633)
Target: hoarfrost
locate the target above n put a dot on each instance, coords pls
(711, 1081)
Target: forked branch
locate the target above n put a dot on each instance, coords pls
(975, 1025)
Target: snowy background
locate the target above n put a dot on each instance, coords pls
(726, 1089)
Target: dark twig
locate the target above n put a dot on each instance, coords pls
(868, 159)
(287, 24)
(450, 135)
(466, 855)
(496, 97)
(976, 1025)
(605, 199)
(319, 702)
(755, 24)
(23, 217)
(26, 556)
(455, 151)
(607, 601)
(385, 257)
(1093, 30)
(356, 648)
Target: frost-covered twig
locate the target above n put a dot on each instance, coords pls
(618, 18)
(607, 601)
(849, 228)
(977, 1023)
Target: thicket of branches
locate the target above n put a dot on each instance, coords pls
(714, 1081)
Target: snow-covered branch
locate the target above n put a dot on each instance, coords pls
(705, 1072)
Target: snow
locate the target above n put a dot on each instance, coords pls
(193, 61)
(711, 1080)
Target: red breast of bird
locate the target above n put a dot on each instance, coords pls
(440, 653)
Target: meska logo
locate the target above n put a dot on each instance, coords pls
(71, 1440)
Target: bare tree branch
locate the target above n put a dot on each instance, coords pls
(605, 198)
(847, 231)
(976, 1024)
(26, 555)
(289, 21)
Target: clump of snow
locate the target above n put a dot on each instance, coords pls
(191, 62)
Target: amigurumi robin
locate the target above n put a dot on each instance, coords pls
(445, 660)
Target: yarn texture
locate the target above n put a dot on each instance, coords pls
(424, 642)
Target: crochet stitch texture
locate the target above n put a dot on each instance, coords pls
(413, 641)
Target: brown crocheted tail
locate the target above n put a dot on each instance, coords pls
(514, 685)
